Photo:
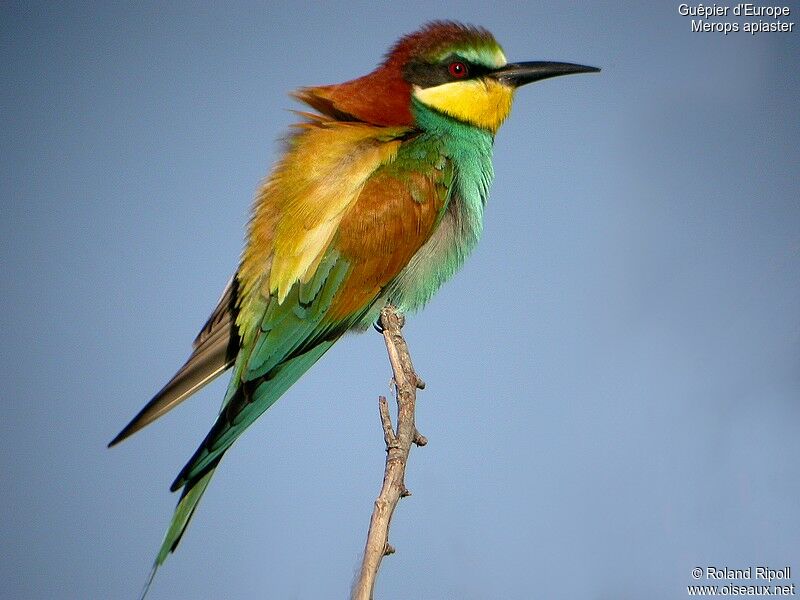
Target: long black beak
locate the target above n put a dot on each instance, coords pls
(518, 74)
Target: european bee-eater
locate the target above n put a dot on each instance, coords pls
(378, 198)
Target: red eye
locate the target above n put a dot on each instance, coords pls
(458, 70)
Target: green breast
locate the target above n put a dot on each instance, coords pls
(468, 151)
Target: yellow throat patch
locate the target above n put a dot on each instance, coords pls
(481, 102)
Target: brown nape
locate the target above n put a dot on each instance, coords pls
(380, 98)
(383, 97)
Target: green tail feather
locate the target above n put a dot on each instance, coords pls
(292, 337)
(202, 466)
(227, 429)
(180, 520)
(183, 513)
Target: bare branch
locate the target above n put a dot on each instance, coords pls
(398, 445)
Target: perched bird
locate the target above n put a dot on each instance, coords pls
(379, 197)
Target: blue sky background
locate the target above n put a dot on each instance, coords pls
(612, 379)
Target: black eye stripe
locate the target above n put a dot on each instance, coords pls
(426, 74)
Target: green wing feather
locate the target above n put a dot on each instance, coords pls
(292, 336)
